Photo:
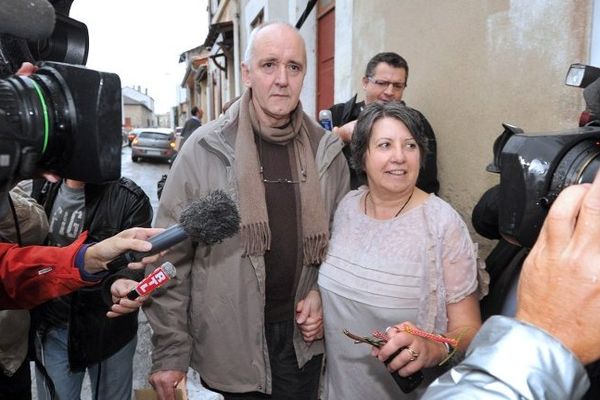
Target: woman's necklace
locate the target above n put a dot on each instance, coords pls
(399, 211)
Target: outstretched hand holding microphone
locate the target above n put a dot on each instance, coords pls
(208, 221)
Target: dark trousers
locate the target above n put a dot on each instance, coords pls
(289, 381)
(17, 386)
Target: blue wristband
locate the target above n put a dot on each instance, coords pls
(80, 264)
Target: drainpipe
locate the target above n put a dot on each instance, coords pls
(236, 49)
(210, 98)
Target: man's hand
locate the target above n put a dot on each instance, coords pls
(165, 383)
(99, 254)
(122, 305)
(559, 288)
(26, 69)
(309, 317)
(345, 131)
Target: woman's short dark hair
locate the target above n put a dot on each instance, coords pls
(372, 113)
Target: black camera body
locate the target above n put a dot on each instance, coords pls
(534, 169)
(64, 118)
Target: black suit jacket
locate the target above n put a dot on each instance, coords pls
(190, 126)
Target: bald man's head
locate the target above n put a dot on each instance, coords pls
(274, 70)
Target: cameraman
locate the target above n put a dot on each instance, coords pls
(541, 353)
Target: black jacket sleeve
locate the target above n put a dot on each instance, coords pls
(428, 180)
(342, 113)
(485, 214)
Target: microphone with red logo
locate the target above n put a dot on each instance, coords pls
(156, 279)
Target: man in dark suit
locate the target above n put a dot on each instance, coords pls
(191, 124)
(385, 79)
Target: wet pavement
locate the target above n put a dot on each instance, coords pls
(145, 173)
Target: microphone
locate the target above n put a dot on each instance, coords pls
(209, 220)
(31, 19)
(156, 279)
(326, 120)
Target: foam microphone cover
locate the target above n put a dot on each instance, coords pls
(211, 219)
(27, 19)
(208, 221)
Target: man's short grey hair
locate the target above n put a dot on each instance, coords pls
(250, 46)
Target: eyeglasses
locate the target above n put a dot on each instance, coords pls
(283, 180)
(280, 180)
(396, 86)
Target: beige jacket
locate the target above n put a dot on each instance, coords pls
(211, 316)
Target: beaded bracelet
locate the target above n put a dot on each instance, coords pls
(450, 343)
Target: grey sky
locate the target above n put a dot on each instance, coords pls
(141, 40)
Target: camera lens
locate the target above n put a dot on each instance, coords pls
(36, 113)
(579, 165)
(35, 107)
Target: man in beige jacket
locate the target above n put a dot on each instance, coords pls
(245, 313)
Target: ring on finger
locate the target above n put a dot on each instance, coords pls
(413, 354)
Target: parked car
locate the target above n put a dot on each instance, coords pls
(156, 143)
(133, 134)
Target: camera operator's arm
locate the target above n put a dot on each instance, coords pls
(32, 275)
(542, 353)
(562, 271)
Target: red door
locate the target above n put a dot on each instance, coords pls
(325, 54)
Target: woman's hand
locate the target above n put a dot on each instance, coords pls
(417, 353)
(309, 317)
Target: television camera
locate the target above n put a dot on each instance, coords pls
(535, 168)
(64, 118)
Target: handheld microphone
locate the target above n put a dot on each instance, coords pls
(326, 120)
(31, 19)
(156, 279)
(209, 220)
